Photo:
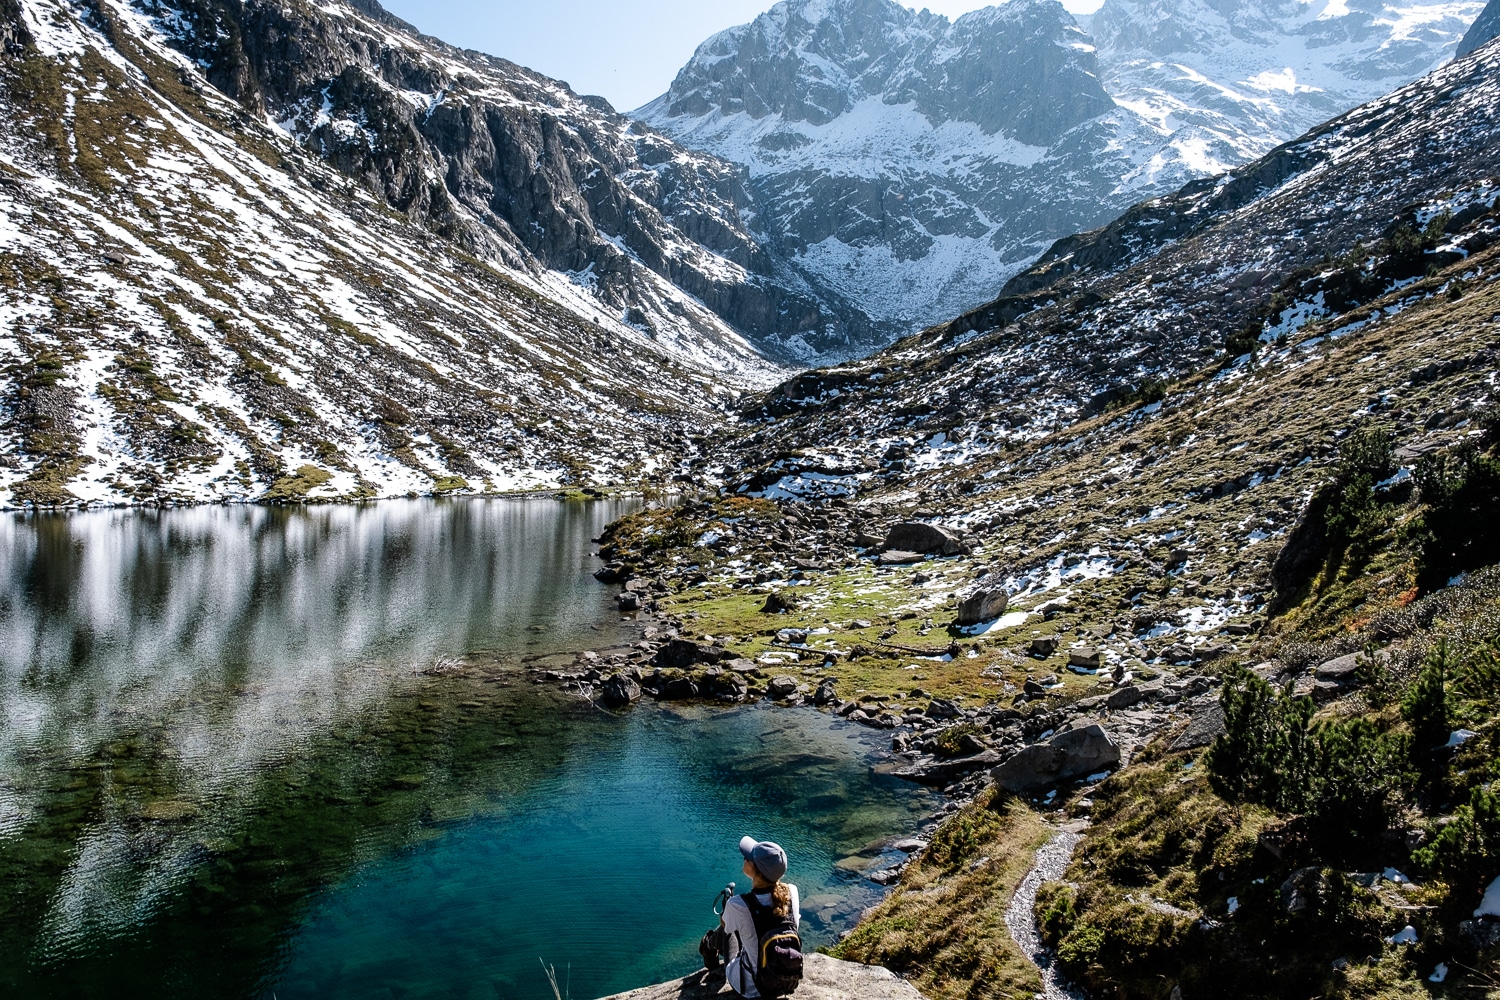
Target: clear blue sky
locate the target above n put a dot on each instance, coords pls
(625, 50)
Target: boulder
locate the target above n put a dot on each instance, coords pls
(778, 603)
(1345, 669)
(826, 694)
(682, 654)
(617, 691)
(728, 686)
(1044, 646)
(917, 536)
(1086, 657)
(782, 688)
(942, 708)
(899, 557)
(680, 689)
(1068, 755)
(1123, 697)
(629, 601)
(982, 606)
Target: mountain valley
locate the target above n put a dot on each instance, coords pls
(1022, 384)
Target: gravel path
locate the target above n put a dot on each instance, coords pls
(1051, 860)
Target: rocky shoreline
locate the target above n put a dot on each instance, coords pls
(1043, 741)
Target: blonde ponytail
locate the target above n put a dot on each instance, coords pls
(781, 899)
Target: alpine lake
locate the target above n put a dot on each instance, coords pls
(296, 752)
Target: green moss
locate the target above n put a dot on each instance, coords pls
(295, 488)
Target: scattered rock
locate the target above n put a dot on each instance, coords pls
(1067, 755)
(900, 558)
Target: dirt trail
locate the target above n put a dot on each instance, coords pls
(1051, 861)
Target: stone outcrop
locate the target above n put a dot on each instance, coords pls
(824, 978)
(1486, 29)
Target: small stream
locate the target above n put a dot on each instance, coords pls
(283, 753)
(1020, 916)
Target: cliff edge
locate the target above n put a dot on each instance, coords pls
(824, 978)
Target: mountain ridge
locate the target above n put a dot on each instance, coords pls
(899, 196)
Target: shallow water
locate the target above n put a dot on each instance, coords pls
(271, 753)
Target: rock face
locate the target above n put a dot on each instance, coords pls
(823, 978)
(1069, 755)
(506, 159)
(1483, 30)
(914, 164)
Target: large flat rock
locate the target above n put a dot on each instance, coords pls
(823, 978)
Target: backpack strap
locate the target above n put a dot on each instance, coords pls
(760, 914)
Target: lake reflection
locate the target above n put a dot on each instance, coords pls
(250, 752)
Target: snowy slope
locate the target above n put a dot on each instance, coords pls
(197, 306)
(1296, 253)
(914, 164)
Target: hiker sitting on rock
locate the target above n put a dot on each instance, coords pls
(757, 938)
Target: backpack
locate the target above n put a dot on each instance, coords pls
(778, 970)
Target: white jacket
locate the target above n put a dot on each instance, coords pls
(744, 945)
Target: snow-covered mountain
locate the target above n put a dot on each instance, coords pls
(913, 164)
(1485, 29)
(295, 248)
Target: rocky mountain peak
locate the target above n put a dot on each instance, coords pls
(913, 164)
(814, 60)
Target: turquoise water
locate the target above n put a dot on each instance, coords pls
(295, 753)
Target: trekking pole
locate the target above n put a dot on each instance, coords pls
(722, 899)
